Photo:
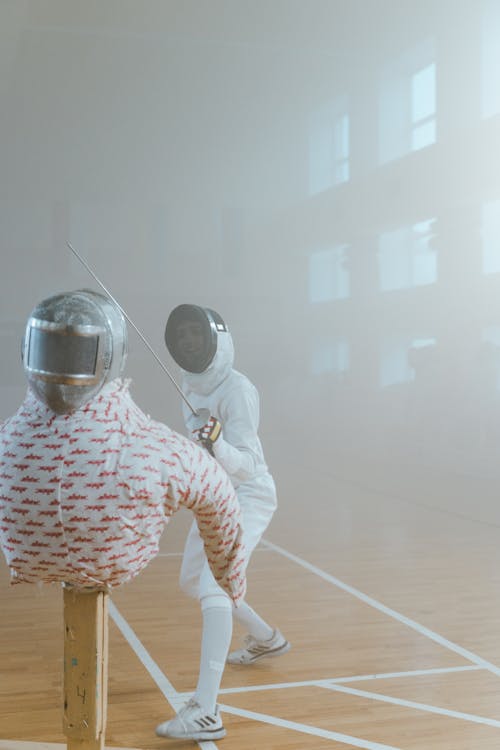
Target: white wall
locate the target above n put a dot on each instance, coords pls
(324, 173)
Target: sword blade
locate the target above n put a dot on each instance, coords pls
(141, 336)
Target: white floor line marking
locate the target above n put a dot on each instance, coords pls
(409, 673)
(306, 729)
(170, 554)
(166, 687)
(177, 699)
(340, 680)
(413, 704)
(433, 636)
(180, 554)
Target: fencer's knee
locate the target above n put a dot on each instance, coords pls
(190, 586)
(221, 601)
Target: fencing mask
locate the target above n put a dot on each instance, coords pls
(74, 343)
(191, 336)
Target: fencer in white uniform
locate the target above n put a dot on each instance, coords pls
(228, 404)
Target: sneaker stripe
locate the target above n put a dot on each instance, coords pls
(205, 721)
(264, 650)
(256, 653)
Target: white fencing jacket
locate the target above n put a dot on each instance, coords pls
(85, 497)
(234, 401)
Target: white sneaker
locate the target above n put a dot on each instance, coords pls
(193, 723)
(255, 650)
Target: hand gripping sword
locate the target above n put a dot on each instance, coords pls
(202, 414)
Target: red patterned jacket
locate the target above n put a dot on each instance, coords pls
(84, 498)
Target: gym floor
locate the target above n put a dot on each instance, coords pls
(391, 608)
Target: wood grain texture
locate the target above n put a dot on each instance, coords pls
(85, 684)
(409, 691)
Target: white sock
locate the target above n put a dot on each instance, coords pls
(215, 642)
(252, 622)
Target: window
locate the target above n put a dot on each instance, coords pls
(394, 365)
(423, 107)
(340, 156)
(407, 104)
(329, 147)
(331, 356)
(407, 258)
(328, 275)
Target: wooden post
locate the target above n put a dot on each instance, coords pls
(85, 667)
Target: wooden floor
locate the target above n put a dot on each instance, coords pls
(392, 608)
